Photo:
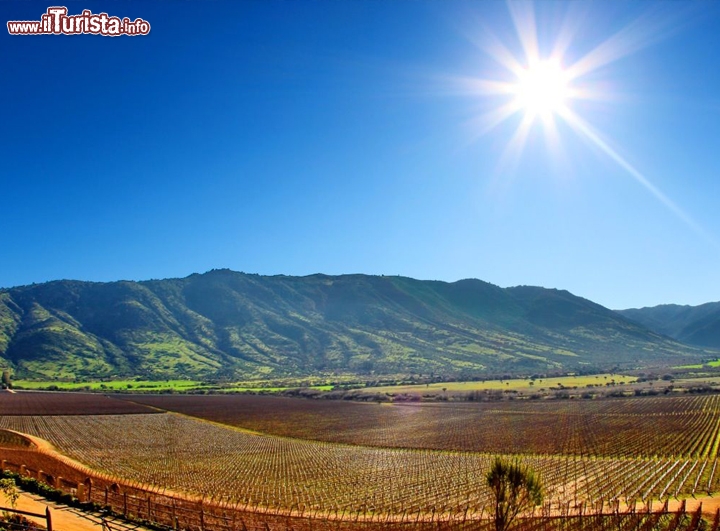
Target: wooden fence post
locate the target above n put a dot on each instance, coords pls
(48, 519)
(89, 488)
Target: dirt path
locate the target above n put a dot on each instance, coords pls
(710, 504)
(66, 518)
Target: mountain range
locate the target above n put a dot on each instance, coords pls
(694, 325)
(225, 324)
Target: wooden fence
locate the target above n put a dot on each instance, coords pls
(178, 513)
(47, 517)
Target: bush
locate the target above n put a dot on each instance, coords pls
(514, 488)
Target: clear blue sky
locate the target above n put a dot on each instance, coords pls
(280, 137)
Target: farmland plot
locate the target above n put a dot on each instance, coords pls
(220, 463)
(683, 426)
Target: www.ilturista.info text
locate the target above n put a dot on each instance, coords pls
(56, 21)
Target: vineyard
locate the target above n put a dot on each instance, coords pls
(420, 462)
(66, 404)
(671, 427)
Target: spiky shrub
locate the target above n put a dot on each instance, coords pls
(515, 488)
(10, 491)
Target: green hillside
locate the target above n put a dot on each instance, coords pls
(235, 325)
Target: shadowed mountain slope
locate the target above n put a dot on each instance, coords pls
(695, 325)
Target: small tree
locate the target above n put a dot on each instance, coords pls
(6, 383)
(10, 490)
(515, 488)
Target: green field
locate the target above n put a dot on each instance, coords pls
(514, 384)
(114, 385)
(714, 363)
(155, 386)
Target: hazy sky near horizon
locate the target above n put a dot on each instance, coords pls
(353, 136)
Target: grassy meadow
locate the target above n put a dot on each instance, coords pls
(517, 384)
(156, 386)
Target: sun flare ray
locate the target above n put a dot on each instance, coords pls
(492, 119)
(585, 130)
(637, 35)
(552, 138)
(489, 87)
(500, 53)
(513, 150)
(523, 16)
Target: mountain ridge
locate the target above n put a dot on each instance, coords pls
(694, 325)
(225, 324)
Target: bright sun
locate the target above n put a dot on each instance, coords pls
(542, 88)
